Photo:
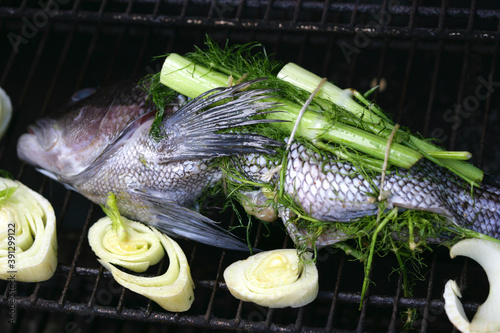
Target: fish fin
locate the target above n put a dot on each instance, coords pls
(113, 147)
(55, 177)
(438, 208)
(178, 221)
(83, 94)
(302, 237)
(193, 131)
(48, 173)
(347, 215)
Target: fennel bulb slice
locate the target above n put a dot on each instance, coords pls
(28, 242)
(276, 279)
(172, 290)
(486, 319)
(5, 112)
(141, 249)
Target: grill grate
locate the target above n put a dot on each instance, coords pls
(431, 55)
(475, 20)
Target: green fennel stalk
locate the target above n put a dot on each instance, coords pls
(378, 121)
(192, 79)
(359, 125)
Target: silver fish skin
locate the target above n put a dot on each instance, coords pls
(103, 145)
(329, 189)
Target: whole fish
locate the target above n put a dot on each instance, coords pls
(102, 144)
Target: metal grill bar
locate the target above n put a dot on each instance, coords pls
(409, 66)
(460, 94)
(336, 298)
(198, 320)
(33, 66)
(341, 7)
(268, 11)
(411, 22)
(57, 70)
(64, 292)
(432, 93)
(487, 110)
(331, 314)
(86, 61)
(380, 71)
(265, 23)
(423, 328)
(325, 12)
(472, 12)
(208, 313)
(392, 324)
(114, 55)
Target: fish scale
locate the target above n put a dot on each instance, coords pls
(180, 182)
(155, 180)
(329, 189)
(109, 149)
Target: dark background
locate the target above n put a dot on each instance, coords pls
(435, 60)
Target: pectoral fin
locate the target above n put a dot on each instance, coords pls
(177, 221)
(193, 131)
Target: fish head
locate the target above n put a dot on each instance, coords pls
(50, 144)
(67, 144)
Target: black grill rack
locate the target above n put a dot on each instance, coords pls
(434, 60)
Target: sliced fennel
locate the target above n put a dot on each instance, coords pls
(356, 123)
(191, 79)
(5, 112)
(141, 249)
(486, 319)
(377, 122)
(276, 279)
(117, 240)
(28, 243)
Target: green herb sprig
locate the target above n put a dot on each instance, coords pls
(342, 122)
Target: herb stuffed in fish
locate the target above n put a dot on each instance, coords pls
(347, 165)
(325, 188)
(159, 155)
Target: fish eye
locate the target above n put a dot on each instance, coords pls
(82, 94)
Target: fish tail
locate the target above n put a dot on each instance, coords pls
(434, 189)
(476, 208)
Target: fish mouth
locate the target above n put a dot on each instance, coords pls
(45, 133)
(27, 147)
(36, 147)
(30, 151)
